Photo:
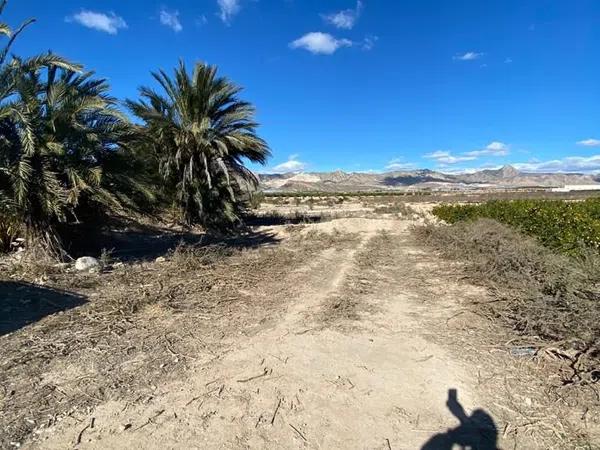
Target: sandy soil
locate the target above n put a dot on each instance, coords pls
(362, 357)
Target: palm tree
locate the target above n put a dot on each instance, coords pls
(201, 134)
(58, 129)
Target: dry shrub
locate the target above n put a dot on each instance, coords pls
(400, 208)
(542, 294)
(193, 257)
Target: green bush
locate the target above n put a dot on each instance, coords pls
(568, 227)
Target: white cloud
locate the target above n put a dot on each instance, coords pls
(201, 20)
(445, 157)
(590, 143)
(108, 23)
(228, 9)
(320, 43)
(369, 42)
(469, 56)
(171, 19)
(345, 19)
(399, 164)
(568, 164)
(293, 164)
(492, 149)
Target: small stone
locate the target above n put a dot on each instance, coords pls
(160, 259)
(87, 263)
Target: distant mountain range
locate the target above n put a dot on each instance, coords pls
(339, 181)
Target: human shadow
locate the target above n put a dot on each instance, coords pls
(475, 432)
(23, 303)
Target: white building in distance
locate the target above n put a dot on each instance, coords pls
(577, 187)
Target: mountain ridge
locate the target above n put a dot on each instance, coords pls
(420, 179)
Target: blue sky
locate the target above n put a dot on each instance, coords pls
(367, 85)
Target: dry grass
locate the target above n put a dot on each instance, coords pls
(142, 324)
(399, 208)
(550, 299)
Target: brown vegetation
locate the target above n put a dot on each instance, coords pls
(549, 298)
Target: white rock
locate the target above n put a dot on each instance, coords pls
(87, 263)
(160, 259)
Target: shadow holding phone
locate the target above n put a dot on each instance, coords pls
(475, 432)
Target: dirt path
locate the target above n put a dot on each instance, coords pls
(381, 381)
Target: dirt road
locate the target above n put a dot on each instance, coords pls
(368, 354)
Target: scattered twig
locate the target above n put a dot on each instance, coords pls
(275, 412)
(298, 431)
(266, 372)
(150, 420)
(389, 446)
(193, 400)
(453, 316)
(80, 436)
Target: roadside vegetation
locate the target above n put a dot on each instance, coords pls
(567, 227)
(69, 154)
(540, 262)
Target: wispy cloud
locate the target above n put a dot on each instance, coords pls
(345, 19)
(399, 164)
(492, 149)
(568, 164)
(109, 23)
(171, 19)
(369, 42)
(445, 157)
(508, 61)
(293, 164)
(320, 43)
(228, 9)
(590, 143)
(469, 56)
